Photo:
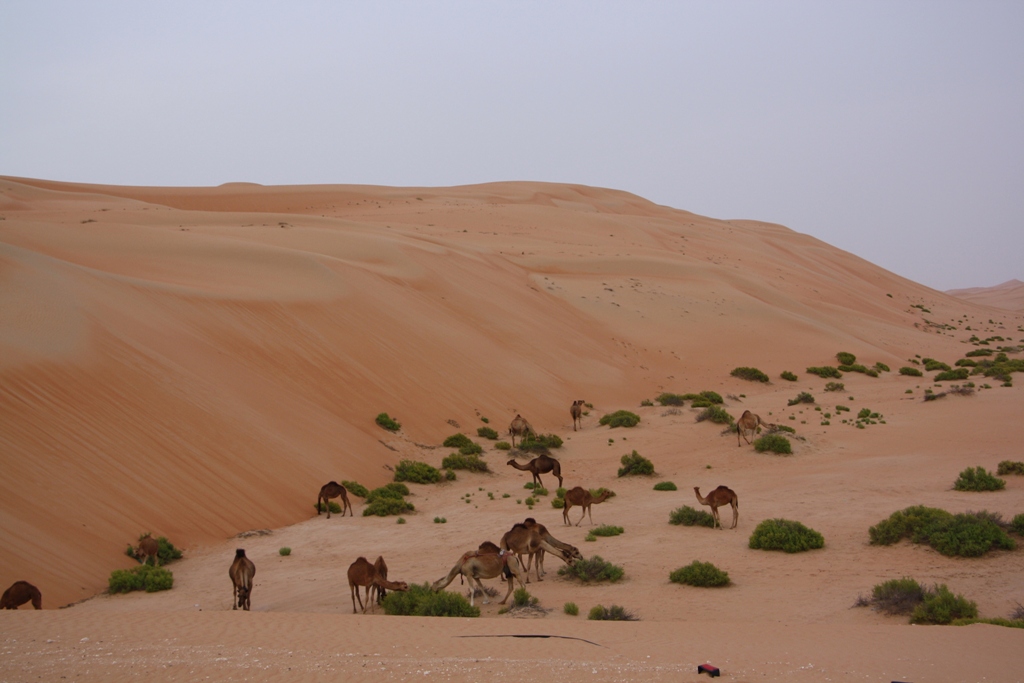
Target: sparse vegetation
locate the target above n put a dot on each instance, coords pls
(440, 520)
(665, 486)
(382, 507)
(715, 414)
(930, 365)
(785, 535)
(613, 613)
(702, 574)
(320, 507)
(881, 367)
(940, 606)
(688, 516)
(635, 464)
(752, 374)
(620, 418)
(417, 472)
(896, 596)
(802, 397)
(503, 446)
(911, 372)
(1010, 467)
(458, 461)
(952, 375)
(788, 376)
(592, 570)
(420, 601)
(571, 608)
(978, 479)
(387, 423)
(825, 372)
(963, 535)
(457, 440)
(668, 399)
(540, 442)
(607, 530)
(845, 358)
(284, 552)
(355, 488)
(775, 443)
(835, 386)
(144, 577)
(486, 433)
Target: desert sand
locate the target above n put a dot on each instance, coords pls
(1008, 295)
(197, 362)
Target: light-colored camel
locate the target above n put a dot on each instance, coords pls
(19, 593)
(330, 490)
(580, 496)
(723, 495)
(148, 547)
(362, 573)
(477, 565)
(524, 540)
(519, 427)
(241, 572)
(538, 466)
(748, 422)
(577, 413)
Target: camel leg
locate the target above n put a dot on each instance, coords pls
(565, 513)
(735, 515)
(584, 514)
(234, 597)
(509, 591)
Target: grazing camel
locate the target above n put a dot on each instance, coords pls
(538, 466)
(572, 551)
(527, 540)
(362, 573)
(381, 567)
(520, 427)
(241, 572)
(333, 489)
(580, 496)
(723, 495)
(19, 593)
(148, 547)
(577, 413)
(478, 565)
(748, 422)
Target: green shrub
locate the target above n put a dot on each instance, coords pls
(965, 363)
(897, 596)
(458, 461)
(940, 606)
(995, 621)
(571, 609)
(391, 490)
(457, 440)
(835, 386)
(752, 374)
(665, 486)
(1010, 467)
(598, 492)
(825, 372)
(961, 535)
(911, 372)
(881, 367)
(284, 552)
(417, 472)
(486, 433)
(440, 520)
(144, 577)
(382, 507)
(907, 523)
(355, 488)
(856, 367)
(387, 423)
(558, 503)
(930, 365)
(845, 358)
(334, 507)
(703, 574)
(613, 613)
(788, 376)
(952, 375)
(667, 399)
(607, 530)
(979, 352)
(646, 403)
(522, 598)
(540, 442)
(503, 446)
(712, 396)
(776, 443)
(420, 601)
(715, 414)
(977, 479)
(785, 535)
(802, 397)
(594, 569)
(620, 418)
(1018, 524)
(687, 516)
(635, 464)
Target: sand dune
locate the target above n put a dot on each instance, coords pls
(196, 362)
(1009, 295)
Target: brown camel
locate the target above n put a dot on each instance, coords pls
(333, 489)
(241, 572)
(524, 540)
(577, 413)
(148, 547)
(723, 495)
(477, 565)
(580, 496)
(520, 427)
(19, 593)
(382, 571)
(572, 551)
(362, 573)
(538, 466)
(748, 422)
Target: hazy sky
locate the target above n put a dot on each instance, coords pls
(894, 130)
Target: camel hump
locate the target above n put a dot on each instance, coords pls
(333, 483)
(488, 547)
(529, 520)
(239, 552)
(518, 525)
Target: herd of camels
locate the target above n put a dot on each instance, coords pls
(528, 539)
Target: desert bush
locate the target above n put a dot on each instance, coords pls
(393, 489)
(486, 433)
(646, 403)
(940, 606)
(522, 598)
(593, 569)
(687, 516)
(785, 535)
(284, 552)
(540, 443)
(144, 577)
(457, 440)
(620, 418)
(995, 621)
(845, 358)
(355, 488)
(635, 464)
(607, 530)
(776, 443)
(857, 367)
(965, 363)
(897, 596)
(471, 449)
(458, 461)
(802, 397)
(558, 502)
(881, 367)
(979, 352)
(752, 374)
(440, 520)
(825, 372)
(321, 507)
(417, 472)
(788, 376)
(420, 601)
(503, 446)
(382, 507)
(571, 608)
(978, 479)
(835, 386)
(613, 613)
(960, 535)
(387, 423)
(665, 486)
(952, 375)
(1010, 467)
(703, 574)
(668, 399)
(911, 372)
(930, 364)
(1017, 525)
(715, 414)
(712, 396)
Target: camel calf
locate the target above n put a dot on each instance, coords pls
(19, 593)
(241, 572)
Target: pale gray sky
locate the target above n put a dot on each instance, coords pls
(894, 130)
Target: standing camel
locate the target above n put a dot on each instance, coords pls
(538, 466)
(479, 565)
(362, 573)
(19, 593)
(148, 547)
(241, 572)
(580, 496)
(519, 427)
(524, 540)
(577, 413)
(723, 495)
(572, 551)
(748, 422)
(330, 490)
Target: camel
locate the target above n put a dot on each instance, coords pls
(538, 466)
(148, 547)
(580, 496)
(748, 422)
(527, 540)
(520, 427)
(478, 565)
(577, 413)
(333, 489)
(362, 573)
(19, 593)
(572, 551)
(241, 572)
(381, 567)
(723, 495)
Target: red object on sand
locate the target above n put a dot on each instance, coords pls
(709, 670)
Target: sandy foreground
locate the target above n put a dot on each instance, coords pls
(196, 362)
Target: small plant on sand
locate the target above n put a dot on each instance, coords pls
(284, 552)
(825, 372)
(607, 530)
(688, 516)
(977, 479)
(665, 486)
(911, 372)
(940, 606)
(881, 367)
(540, 443)
(846, 358)
(896, 596)
(635, 464)
(620, 418)
(144, 577)
(594, 569)
(334, 507)
(715, 414)
(355, 488)
(930, 365)
(486, 433)
(420, 601)
(752, 374)
(788, 376)
(1010, 467)
(387, 423)
(835, 386)
(1017, 525)
(785, 535)
(417, 472)
(646, 403)
(382, 507)
(613, 613)
(667, 399)
(440, 520)
(952, 375)
(775, 443)
(503, 446)
(802, 397)
(702, 574)
(571, 609)
(457, 440)
(458, 461)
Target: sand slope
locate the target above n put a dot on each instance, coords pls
(1009, 295)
